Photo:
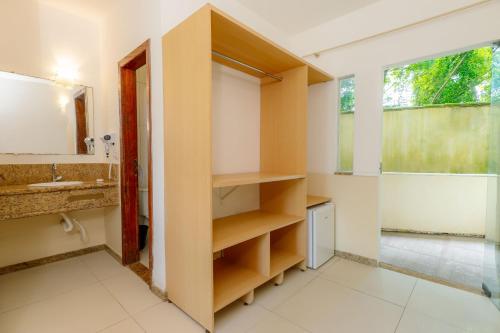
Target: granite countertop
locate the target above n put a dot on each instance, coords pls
(25, 189)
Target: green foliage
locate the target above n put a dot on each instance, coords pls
(460, 78)
(495, 81)
(347, 98)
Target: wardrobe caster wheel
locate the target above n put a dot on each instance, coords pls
(303, 266)
(248, 298)
(278, 280)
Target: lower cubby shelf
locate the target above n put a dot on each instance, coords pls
(281, 260)
(232, 281)
(241, 268)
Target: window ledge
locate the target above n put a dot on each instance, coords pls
(343, 173)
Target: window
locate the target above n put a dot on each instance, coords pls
(437, 114)
(346, 124)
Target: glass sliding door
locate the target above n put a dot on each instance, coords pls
(491, 261)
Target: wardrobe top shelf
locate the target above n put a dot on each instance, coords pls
(313, 200)
(236, 179)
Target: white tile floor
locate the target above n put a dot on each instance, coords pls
(93, 293)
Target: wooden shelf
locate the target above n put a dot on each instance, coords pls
(282, 260)
(313, 200)
(234, 229)
(232, 282)
(236, 179)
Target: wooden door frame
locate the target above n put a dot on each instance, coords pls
(128, 108)
(81, 146)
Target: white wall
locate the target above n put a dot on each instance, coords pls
(434, 203)
(235, 121)
(34, 37)
(33, 42)
(119, 38)
(42, 236)
(356, 197)
(97, 46)
(235, 137)
(375, 19)
(366, 59)
(356, 203)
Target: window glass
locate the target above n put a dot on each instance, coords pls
(346, 124)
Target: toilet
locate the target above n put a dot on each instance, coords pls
(143, 206)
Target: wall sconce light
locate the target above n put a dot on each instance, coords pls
(66, 73)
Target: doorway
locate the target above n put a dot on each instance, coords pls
(135, 160)
(436, 166)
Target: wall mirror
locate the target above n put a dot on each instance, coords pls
(40, 116)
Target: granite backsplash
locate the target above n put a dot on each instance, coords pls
(19, 174)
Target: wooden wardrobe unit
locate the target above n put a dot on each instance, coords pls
(213, 262)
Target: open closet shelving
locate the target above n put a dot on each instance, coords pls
(213, 262)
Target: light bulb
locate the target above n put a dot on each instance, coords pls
(63, 101)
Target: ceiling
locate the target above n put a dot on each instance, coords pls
(289, 16)
(295, 16)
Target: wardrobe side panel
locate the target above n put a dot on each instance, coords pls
(187, 68)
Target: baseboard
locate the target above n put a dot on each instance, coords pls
(430, 278)
(112, 253)
(410, 231)
(159, 292)
(357, 258)
(50, 259)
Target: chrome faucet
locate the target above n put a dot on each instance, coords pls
(55, 177)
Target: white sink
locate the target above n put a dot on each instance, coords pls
(56, 184)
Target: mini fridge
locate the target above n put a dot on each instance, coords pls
(321, 227)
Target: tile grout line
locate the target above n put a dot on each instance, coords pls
(272, 310)
(48, 297)
(362, 292)
(58, 294)
(111, 325)
(404, 308)
(297, 291)
(320, 275)
(365, 293)
(129, 315)
(285, 300)
(317, 275)
(289, 321)
(437, 318)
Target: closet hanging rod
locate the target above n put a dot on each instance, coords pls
(278, 78)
